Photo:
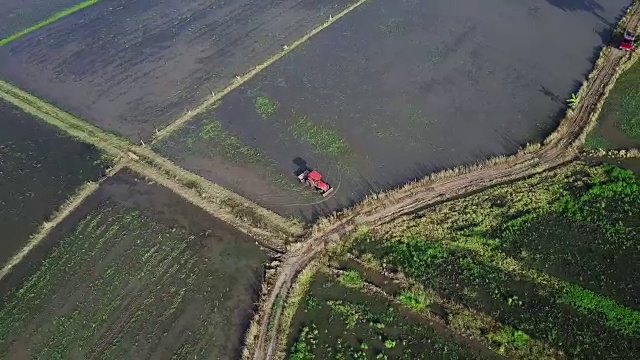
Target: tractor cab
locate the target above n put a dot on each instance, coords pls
(628, 40)
(314, 179)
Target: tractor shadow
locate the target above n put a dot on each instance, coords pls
(301, 165)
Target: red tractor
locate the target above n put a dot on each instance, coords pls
(628, 40)
(314, 179)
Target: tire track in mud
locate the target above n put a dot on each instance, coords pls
(560, 147)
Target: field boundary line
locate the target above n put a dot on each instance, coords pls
(216, 200)
(64, 210)
(181, 121)
(50, 20)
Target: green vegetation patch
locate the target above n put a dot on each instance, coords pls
(622, 318)
(121, 286)
(322, 139)
(265, 106)
(416, 298)
(623, 103)
(231, 147)
(351, 278)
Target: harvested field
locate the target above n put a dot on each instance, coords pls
(397, 90)
(133, 66)
(338, 322)
(619, 123)
(17, 15)
(553, 257)
(40, 168)
(134, 272)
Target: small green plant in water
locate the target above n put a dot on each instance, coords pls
(572, 101)
(389, 344)
(322, 139)
(265, 106)
(416, 298)
(304, 346)
(514, 301)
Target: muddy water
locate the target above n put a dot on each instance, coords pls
(39, 169)
(629, 164)
(608, 129)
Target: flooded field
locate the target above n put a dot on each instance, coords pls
(397, 90)
(40, 168)
(135, 272)
(134, 66)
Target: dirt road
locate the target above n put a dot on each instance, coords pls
(560, 147)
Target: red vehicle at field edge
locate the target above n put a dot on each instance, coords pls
(628, 40)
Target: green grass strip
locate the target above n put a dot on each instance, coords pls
(619, 317)
(51, 19)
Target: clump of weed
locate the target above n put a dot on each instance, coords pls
(351, 278)
(508, 337)
(417, 298)
(389, 344)
(304, 346)
(414, 254)
(350, 313)
(572, 101)
(322, 139)
(229, 145)
(265, 106)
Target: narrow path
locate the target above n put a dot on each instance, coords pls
(559, 148)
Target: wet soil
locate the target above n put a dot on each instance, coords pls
(133, 66)
(39, 169)
(16, 15)
(417, 87)
(220, 290)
